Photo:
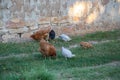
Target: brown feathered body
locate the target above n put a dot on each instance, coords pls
(43, 33)
(86, 44)
(46, 48)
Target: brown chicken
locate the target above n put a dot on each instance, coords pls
(43, 33)
(86, 45)
(47, 49)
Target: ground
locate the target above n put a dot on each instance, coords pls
(23, 61)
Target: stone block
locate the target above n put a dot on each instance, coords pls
(3, 31)
(104, 2)
(64, 19)
(20, 30)
(30, 23)
(33, 27)
(15, 24)
(1, 24)
(59, 20)
(15, 20)
(80, 26)
(10, 37)
(67, 24)
(55, 20)
(26, 35)
(45, 26)
(68, 30)
(44, 20)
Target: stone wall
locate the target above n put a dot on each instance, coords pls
(20, 18)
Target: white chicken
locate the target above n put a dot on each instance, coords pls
(67, 53)
(65, 37)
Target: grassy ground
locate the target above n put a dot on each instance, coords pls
(99, 63)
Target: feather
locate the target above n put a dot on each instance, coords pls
(46, 48)
(52, 34)
(67, 53)
(65, 37)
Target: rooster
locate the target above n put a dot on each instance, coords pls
(47, 49)
(86, 45)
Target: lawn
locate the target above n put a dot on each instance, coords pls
(99, 63)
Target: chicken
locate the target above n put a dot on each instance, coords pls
(52, 35)
(86, 45)
(38, 35)
(67, 53)
(43, 33)
(47, 49)
(65, 37)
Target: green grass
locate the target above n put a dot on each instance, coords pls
(17, 48)
(99, 63)
(30, 47)
(26, 72)
(102, 72)
(111, 35)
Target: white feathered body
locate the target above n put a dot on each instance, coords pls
(65, 37)
(67, 53)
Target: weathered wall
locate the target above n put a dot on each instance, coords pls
(20, 18)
